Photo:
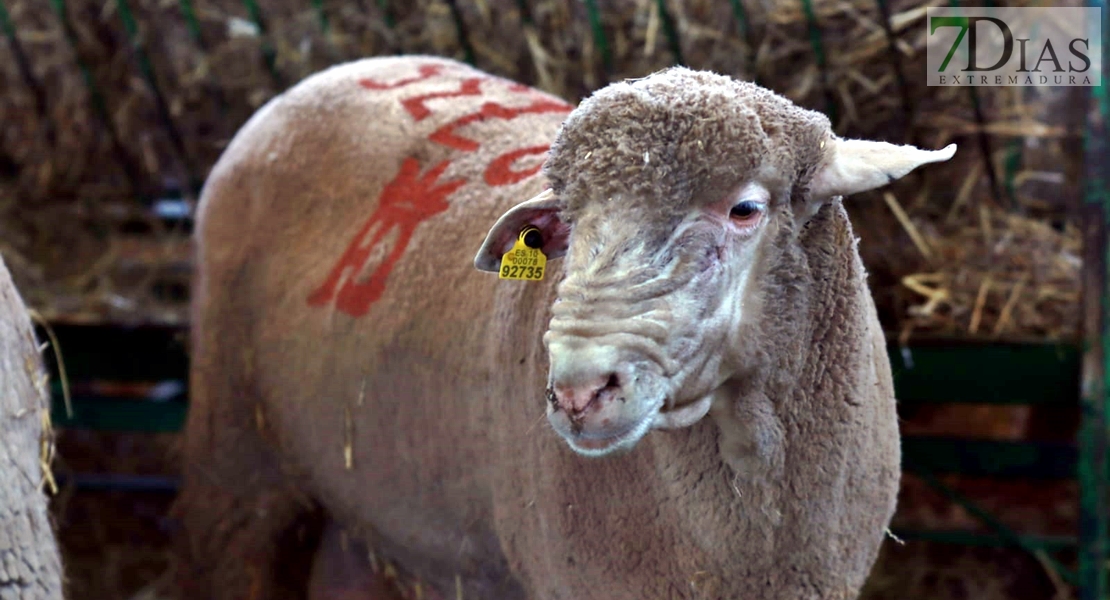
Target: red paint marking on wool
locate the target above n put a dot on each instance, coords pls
(411, 198)
(425, 72)
(408, 200)
(500, 171)
(417, 107)
(491, 110)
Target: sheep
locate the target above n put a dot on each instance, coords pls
(30, 563)
(695, 330)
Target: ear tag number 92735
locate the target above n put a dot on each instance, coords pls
(525, 261)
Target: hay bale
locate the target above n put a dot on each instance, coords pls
(997, 274)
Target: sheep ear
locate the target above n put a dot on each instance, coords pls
(853, 166)
(542, 211)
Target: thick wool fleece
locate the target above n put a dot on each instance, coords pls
(416, 422)
(30, 563)
(680, 138)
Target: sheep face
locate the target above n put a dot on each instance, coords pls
(671, 197)
(639, 331)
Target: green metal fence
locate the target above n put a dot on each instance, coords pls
(1011, 373)
(1095, 391)
(925, 372)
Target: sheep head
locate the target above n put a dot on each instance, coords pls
(671, 196)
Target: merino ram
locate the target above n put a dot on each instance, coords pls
(719, 406)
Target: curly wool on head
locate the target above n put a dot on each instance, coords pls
(681, 138)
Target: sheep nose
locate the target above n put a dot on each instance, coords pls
(580, 394)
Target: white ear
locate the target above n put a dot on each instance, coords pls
(542, 212)
(853, 166)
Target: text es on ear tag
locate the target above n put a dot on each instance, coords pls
(525, 261)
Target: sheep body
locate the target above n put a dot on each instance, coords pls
(30, 562)
(349, 362)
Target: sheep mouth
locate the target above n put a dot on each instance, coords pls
(675, 417)
(625, 438)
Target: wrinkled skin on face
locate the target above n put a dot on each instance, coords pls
(671, 197)
(648, 309)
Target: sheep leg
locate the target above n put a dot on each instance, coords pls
(343, 570)
(242, 542)
(246, 531)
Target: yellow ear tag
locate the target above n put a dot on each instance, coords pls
(525, 261)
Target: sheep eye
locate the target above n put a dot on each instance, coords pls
(746, 211)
